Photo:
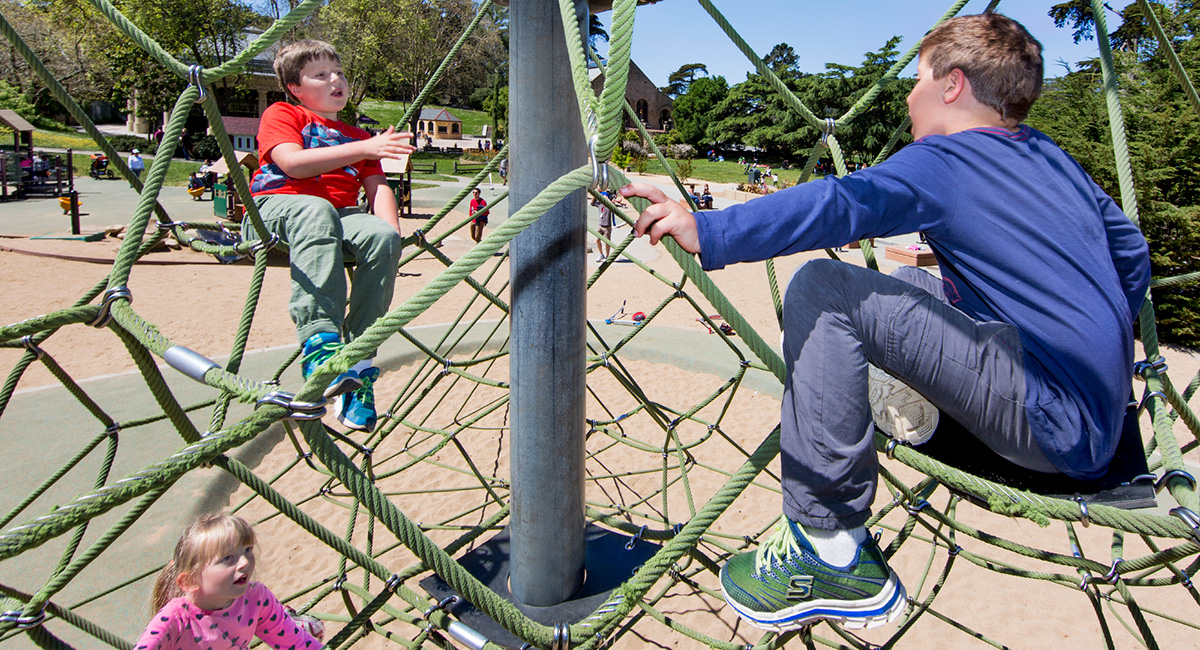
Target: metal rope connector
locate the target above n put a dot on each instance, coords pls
(827, 130)
(1084, 517)
(393, 583)
(562, 637)
(1112, 576)
(1142, 368)
(263, 245)
(298, 410)
(167, 225)
(23, 622)
(112, 429)
(1190, 518)
(441, 606)
(27, 341)
(110, 296)
(1175, 473)
(194, 79)
(1149, 396)
(599, 169)
(635, 539)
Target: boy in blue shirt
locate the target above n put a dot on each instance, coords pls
(1027, 340)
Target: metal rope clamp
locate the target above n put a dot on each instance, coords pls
(263, 245)
(1141, 368)
(23, 622)
(562, 637)
(27, 341)
(298, 410)
(194, 79)
(442, 606)
(827, 130)
(599, 169)
(110, 296)
(1084, 517)
(1175, 473)
(1191, 519)
(1112, 576)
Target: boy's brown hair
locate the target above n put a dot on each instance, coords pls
(292, 58)
(1000, 58)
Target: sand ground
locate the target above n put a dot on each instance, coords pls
(197, 302)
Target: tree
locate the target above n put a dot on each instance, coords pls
(68, 37)
(752, 113)
(596, 31)
(1164, 144)
(782, 60)
(694, 110)
(681, 79)
(392, 48)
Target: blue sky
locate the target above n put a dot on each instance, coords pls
(672, 33)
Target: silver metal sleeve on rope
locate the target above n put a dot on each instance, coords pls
(466, 635)
(192, 364)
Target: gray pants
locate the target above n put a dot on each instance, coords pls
(836, 318)
(319, 237)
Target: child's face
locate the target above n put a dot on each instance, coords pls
(225, 578)
(322, 88)
(925, 105)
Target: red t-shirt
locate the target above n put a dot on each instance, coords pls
(283, 122)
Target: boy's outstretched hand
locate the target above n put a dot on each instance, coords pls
(389, 144)
(665, 216)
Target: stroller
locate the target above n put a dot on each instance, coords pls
(100, 167)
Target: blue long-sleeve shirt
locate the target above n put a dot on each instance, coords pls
(1022, 235)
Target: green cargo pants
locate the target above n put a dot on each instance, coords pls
(320, 237)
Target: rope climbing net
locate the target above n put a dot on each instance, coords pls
(445, 422)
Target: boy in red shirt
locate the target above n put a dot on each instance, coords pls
(306, 190)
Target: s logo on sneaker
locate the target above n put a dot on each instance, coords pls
(799, 587)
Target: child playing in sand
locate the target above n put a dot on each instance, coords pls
(313, 167)
(204, 598)
(1027, 340)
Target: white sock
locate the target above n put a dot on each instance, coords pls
(362, 365)
(836, 547)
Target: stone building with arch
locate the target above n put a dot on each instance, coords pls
(654, 108)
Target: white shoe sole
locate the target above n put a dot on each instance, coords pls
(898, 410)
(885, 607)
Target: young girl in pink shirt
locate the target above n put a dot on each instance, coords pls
(205, 599)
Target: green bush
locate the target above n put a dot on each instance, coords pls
(128, 143)
(684, 169)
(1174, 238)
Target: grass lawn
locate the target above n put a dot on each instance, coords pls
(177, 174)
(390, 113)
(721, 172)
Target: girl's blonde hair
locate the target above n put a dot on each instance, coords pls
(199, 545)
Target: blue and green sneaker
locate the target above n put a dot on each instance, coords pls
(356, 409)
(784, 585)
(317, 350)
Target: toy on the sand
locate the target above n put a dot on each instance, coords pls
(634, 319)
(725, 328)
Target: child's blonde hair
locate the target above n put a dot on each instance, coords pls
(199, 545)
(1000, 58)
(292, 58)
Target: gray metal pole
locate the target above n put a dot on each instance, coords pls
(548, 266)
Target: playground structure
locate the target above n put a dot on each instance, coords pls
(450, 407)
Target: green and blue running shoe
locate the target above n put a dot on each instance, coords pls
(784, 585)
(317, 350)
(356, 409)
